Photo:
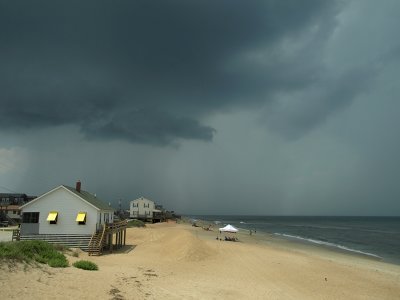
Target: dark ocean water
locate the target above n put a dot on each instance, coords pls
(377, 237)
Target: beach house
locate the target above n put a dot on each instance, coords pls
(15, 198)
(69, 216)
(10, 214)
(143, 209)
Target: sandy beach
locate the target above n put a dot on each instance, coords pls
(177, 261)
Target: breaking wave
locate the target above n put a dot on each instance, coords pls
(328, 244)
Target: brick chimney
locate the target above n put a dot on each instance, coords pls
(78, 186)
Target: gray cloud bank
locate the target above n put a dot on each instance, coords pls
(277, 107)
(150, 71)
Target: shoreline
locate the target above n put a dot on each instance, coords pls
(266, 239)
(303, 243)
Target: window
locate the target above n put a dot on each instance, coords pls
(30, 217)
(81, 218)
(52, 217)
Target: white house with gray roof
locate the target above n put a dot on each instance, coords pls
(65, 211)
(142, 209)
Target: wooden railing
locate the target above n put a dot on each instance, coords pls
(98, 238)
(95, 246)
(117, 225)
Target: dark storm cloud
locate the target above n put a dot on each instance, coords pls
(148, 71)
(148, 127)
(312, 106)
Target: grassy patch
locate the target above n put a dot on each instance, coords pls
(136, 223)
(85, 265)
(28, 251)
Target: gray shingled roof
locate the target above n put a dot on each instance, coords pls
(100, 204)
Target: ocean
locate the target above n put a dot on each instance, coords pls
(377, 237)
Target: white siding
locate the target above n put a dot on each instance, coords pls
(142, 208)
(68, 206)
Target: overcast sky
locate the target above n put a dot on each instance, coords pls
(207, 107)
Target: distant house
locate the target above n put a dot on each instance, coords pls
(159, 214)
(12, 211)
(142, 209)
(14, 199)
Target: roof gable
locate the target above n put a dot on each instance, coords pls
(88, 197)
(83, 195)
(40, 197)
(142, 199)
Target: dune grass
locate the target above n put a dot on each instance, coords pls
(136, 223)
(85, 265)
(33, 251)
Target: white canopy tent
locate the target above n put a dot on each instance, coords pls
(228, 228)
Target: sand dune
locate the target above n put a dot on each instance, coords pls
(168, 261)
(183, 246)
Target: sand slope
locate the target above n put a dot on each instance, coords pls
(168, 261)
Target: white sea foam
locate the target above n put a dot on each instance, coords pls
(319, 227)
(328, 244)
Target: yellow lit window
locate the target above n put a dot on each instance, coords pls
(52, 217)
(81, 218)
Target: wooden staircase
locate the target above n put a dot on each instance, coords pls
(96, 243)
(5, 219)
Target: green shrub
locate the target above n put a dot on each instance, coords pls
(9, 250)
(136, 223)
(38, 251)
(58, 262)
(85, 265)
